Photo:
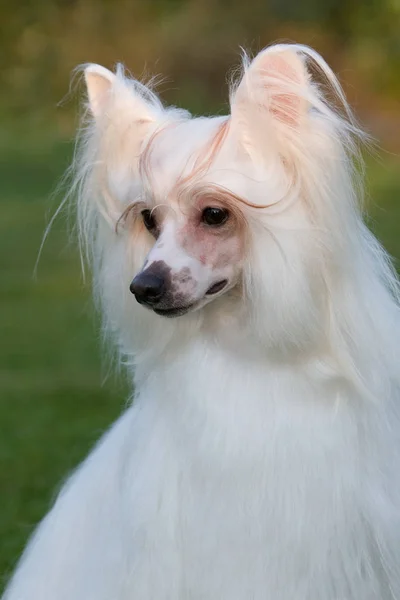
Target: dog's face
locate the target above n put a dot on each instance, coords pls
(199, 208)
(192, 234)
(196, 256)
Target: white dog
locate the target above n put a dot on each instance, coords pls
(260, 459)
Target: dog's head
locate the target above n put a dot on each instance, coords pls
(185, 211)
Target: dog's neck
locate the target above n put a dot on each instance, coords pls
(220, 355)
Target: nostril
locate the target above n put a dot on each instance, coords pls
(154, 292)
(132, 287)
(147, 287)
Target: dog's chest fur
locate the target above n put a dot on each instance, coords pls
(228, 480)
(261, 482)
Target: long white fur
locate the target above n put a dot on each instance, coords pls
(260, 457)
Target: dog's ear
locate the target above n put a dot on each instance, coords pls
(99, 82)
(270, 101)
(124, 113)
(110, 93)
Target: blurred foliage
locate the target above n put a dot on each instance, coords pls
(194, 43)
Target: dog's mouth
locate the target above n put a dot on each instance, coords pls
(176, 311)
(217, 287)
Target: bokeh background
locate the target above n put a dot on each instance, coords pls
(56, 395)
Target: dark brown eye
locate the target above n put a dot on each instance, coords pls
(148, 220)
(214, 216)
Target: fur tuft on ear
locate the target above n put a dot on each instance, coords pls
(115, 96)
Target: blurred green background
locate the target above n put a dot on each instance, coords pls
(56, 394)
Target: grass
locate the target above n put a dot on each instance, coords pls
(53, 402)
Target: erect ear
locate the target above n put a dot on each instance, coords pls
(107, 91)
(99, 82)
(125, 112)
(272, 96)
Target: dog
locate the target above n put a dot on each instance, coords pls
(259, 318)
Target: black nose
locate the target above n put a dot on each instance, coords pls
(147, 287)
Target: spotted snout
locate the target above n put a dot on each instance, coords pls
(165, 292)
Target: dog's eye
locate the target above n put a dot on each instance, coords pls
(214, 216)
(148, 220)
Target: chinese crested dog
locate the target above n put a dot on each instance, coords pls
(260, 457)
